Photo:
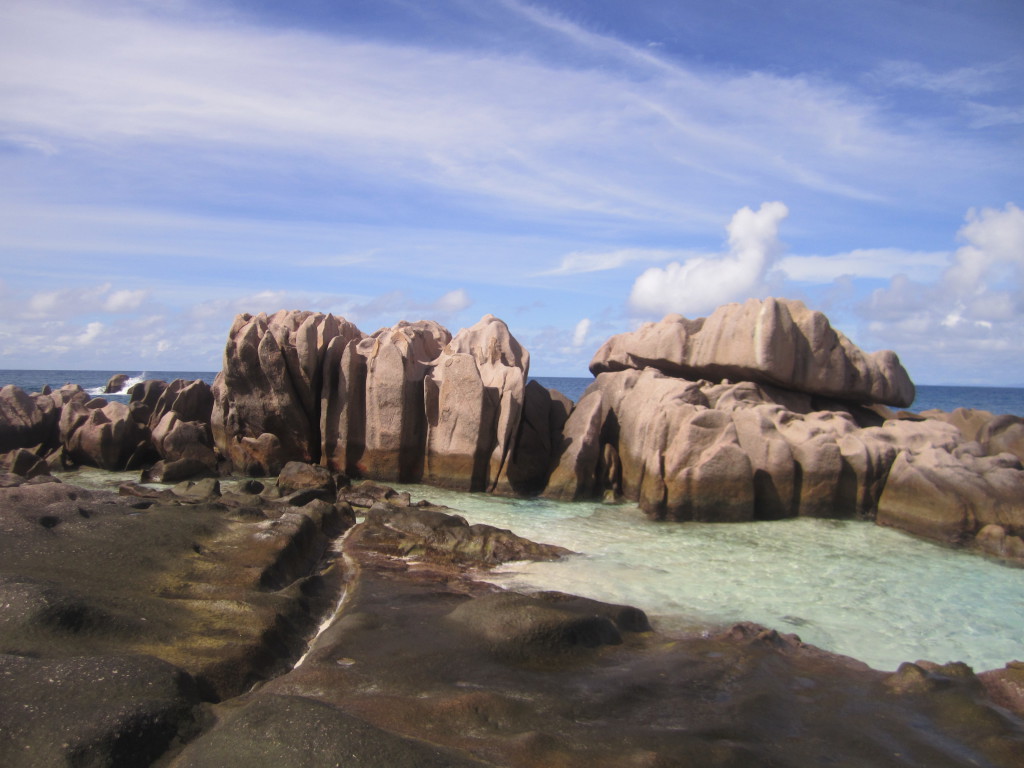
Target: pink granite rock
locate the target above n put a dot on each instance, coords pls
(771, 341)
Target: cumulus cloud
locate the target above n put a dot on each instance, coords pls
(452, 302)
(975, 307)
(579, 335)
(702, 283)
(70, 302)
(90, 334)
(124, 301)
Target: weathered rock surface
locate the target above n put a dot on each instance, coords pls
(397, 361)
(266, 408)
(688, 450)
(781, 424)
(430, 533)
(134, 629)
(115, 383)
(117, 710)
(23, 421)
(770, 341)
(102, 434)
(473, 397)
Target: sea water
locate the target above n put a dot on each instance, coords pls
(850, 587)
(847, 586)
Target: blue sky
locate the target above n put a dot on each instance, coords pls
(575, 167)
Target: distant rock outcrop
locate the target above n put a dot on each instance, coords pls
(770, 341)
(115, 383)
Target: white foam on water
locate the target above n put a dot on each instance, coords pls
(850, 587)
(100, 391)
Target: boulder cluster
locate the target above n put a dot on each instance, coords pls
(164, 427)
(410, 403)
(760, 411)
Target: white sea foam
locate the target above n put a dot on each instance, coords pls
(100, 391)
(847, 586)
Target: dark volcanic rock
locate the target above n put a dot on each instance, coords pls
(525, 681)
(275, 731)
(430, 534)
(519, 626)
(296, 476)
(224, 596)
(92, 710)
(122, 613)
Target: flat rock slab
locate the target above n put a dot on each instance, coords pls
(422, 651)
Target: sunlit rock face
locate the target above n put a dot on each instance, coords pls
(769, 341)
(267, 396)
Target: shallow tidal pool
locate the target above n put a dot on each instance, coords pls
(850, 587)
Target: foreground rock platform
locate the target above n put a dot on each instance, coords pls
(259, 625)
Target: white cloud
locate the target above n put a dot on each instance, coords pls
(702, 283)
(579, 335)
(452, 302)
(963, 81)
(620, 140)
(71, 302)
(579, 262)
(954, 322)
(125, 301)
(90, 334)
(878, 263)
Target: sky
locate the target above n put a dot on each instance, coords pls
(574, 167)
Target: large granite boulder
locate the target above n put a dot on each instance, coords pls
(115, 384)
(951, 495)
(398, 359)
(266, 408)
(473, 397)
(102, 434)
(538, 442)
(23, 423)
(771, 341)
(342, 403)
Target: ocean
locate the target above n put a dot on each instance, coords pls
(850, 587)
(996, 399)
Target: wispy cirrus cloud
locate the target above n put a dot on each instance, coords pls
(604, 141)
(865, 263)
(580, 262)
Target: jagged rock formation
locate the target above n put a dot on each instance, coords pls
(266, 398)
(770, 341)
(407, 403)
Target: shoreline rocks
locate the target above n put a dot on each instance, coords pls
(181, 628)
(761, 411)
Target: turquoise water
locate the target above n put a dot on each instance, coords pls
(850, 587)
